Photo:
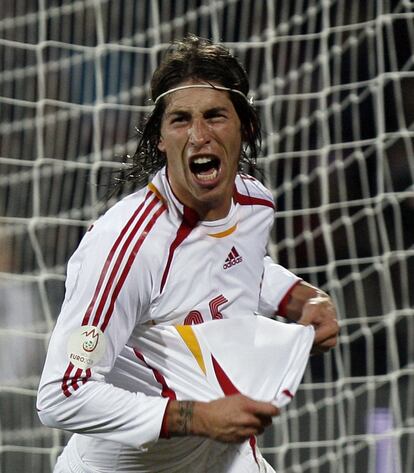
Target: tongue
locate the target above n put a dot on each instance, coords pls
(205, 172)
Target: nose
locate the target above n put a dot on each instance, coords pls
(198, 133)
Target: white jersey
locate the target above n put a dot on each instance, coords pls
(150, 261)
(228, 356)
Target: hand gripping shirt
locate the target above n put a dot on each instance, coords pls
(228, 356)
(150, 261)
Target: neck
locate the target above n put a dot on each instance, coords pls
(213, 213)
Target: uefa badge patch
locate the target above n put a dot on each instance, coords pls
(86, 346)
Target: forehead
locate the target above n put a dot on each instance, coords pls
(193, 98)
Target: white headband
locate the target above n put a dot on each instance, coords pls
(202, 86)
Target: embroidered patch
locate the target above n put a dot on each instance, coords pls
(86, 346)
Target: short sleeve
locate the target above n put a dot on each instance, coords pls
(277, 282)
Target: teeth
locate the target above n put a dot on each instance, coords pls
(202, 160)
(208, 177)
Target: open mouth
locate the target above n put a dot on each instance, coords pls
(205, 168)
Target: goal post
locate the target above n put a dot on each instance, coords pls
(333, 82)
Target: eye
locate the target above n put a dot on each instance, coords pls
(179, 118)
(216, 115)
(217, 119)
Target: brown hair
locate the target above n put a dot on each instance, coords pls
(198, 59)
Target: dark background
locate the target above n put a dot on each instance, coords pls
(333, 82)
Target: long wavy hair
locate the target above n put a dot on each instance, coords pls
(200, 60)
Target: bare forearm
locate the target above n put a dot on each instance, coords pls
(180, 416)
(309, 305)
(298, 297)
(230, 419)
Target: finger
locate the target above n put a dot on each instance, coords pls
(256, 422)
(246, 433)
(265, 409)
(265, 420)
(324, 346)
(327, 330)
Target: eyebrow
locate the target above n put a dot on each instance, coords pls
(210, 111)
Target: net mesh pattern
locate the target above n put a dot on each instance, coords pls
(333, 81)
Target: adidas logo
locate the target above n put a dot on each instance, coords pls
(232, 259)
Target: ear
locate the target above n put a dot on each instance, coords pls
(161, 145)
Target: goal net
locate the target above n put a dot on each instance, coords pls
(333, 81)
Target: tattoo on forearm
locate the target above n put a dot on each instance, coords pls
(185, 416)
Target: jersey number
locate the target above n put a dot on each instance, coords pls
(194, 317)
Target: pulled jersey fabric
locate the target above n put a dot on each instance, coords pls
(258, 357)
(150, 261)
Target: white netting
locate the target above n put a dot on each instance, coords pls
(334, 83)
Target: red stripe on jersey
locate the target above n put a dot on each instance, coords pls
(226, 385)
(65, 379)
(109, 260)
(287, 393)
(165, 390)
(252, 442)
(281, 310)
(120, 258)
(77, 377)
(129, 263)
(88, 375)
(249, 200)
(228, 389)
(190, 219)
